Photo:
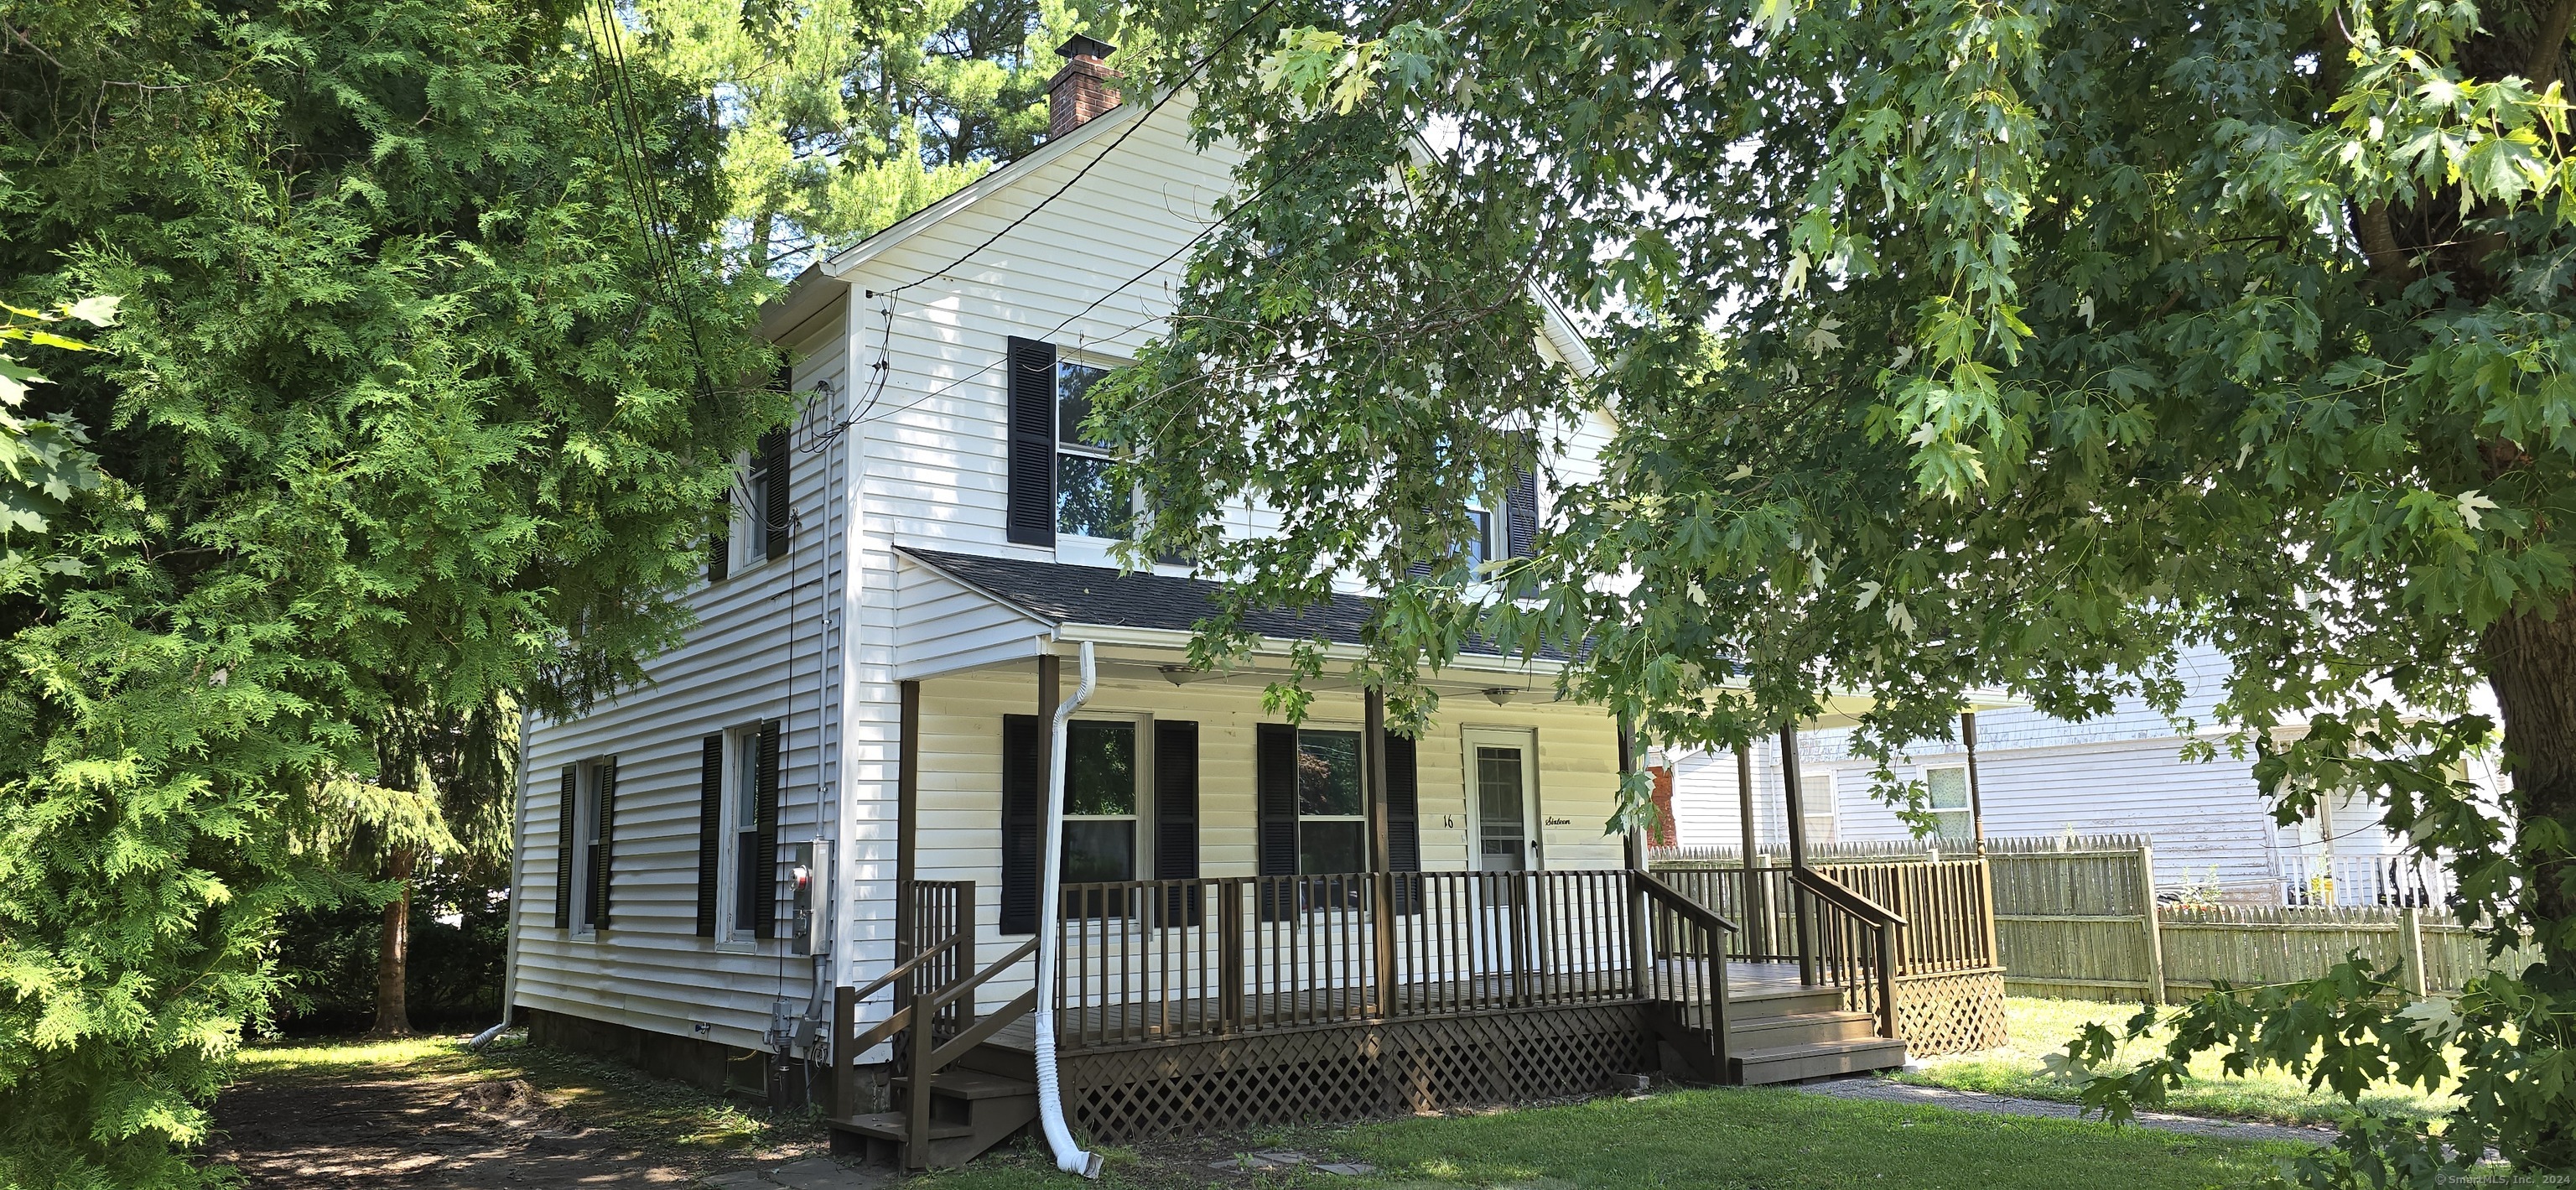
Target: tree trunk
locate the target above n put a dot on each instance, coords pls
(393, 951)
(2530, 659)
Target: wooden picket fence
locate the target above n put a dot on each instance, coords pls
(2076, 917)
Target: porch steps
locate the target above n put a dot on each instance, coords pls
(1789, 1034)
(1817, 1059)
(973, 1107)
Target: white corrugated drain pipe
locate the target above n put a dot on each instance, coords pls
(1069, 1157)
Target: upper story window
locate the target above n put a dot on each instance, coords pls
(1087, 504)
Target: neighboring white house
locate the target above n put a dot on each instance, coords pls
(2122, 773)
(859, 700)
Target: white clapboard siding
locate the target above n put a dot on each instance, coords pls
(1576, 778)
(2120, 773)
(1079, 245)
(764, 647)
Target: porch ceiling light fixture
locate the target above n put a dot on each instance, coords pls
(1183, 675)
(1502, 695)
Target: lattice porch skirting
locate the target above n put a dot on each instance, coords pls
(1951, 1013)
(1340, 1072)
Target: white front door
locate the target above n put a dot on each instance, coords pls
(1502, 800)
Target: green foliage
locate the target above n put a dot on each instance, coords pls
(1944, 347)
(399, 415)
(842, 117)
(42, 460)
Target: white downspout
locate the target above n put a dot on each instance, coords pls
(1069, 1157)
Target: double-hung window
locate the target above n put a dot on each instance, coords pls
(1332, 815)
(1816, 795)
(742, 839)
(1100, 782)
(1947, 799)
(1087, 503)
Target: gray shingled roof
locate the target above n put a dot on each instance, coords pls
(1069, 594)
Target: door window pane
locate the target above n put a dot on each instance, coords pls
(1328, 774)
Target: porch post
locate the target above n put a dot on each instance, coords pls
(1977, 822)
(1641, 951)
(1757, 907)
(1050, 683)
(1976, 798)
(907, 818)
(1794, 801)
(1381, 868)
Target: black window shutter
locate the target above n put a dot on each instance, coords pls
(1275, 810)
(1403, 821)
(603, 856)
(1520, 515)
(720, 546)
(1023, 785)
(563, 851)
(764, 863)
(1176, 815)
(773, 519)
(1032, 442)
(710, 814)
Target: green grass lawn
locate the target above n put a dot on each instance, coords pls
(1763, 1139)
(2041, 1027)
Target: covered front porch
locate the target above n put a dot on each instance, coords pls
(1325, 920)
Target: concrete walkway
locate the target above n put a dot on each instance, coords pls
(1883, 1091)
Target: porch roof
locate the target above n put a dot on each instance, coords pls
(1157, 612)
(1063, 593)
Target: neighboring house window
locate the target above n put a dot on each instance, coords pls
(1816, 793)
(1100, 781)
(1332, 819)
(1947, 790)
(1087, 503)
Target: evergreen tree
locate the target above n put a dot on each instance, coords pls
(840, 118)
(404, 409)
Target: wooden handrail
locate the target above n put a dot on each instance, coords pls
(940, 999)
(1680, 903)
(1844, 898)
(906, 967)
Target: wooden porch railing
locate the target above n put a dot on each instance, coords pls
(1853, 942)
(1148, 960)
(1685, 976)
(1949, 921)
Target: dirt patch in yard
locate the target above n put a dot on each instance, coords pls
(403, 1130)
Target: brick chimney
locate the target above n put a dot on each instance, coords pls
(1080, 91)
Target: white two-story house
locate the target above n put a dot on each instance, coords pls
(841, 771)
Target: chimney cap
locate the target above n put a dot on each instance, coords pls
(1084, 45)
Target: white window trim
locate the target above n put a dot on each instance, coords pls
(1819, 805)
(1966, 810)
(747, 536)
(742, 755)
(585, 821)
(1143, 723)
(1065, 446)
(1359, 731)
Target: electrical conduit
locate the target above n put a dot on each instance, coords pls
(1069, 1157)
